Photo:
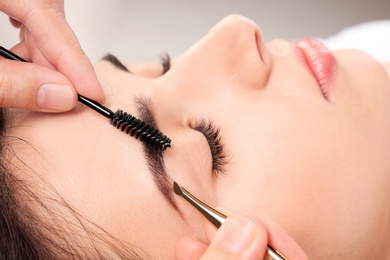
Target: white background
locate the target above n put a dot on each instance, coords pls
(141, 31)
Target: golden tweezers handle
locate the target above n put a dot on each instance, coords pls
(216, 217)
(273, 255)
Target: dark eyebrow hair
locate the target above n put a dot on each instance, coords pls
(154, 157)
(165, 62)
(116, 62)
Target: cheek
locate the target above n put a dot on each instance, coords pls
(309, 174)
(283, 153)
(362, 87)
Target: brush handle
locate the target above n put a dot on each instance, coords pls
(95, 106)
(9, 55)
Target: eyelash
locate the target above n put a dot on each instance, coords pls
(166, 63)
(213, 138)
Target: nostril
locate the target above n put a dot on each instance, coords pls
(259, 44)
(262, 49)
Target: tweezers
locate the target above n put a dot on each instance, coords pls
(216, 217)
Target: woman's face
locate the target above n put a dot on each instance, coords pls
(313, 161)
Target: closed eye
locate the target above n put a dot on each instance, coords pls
(212, 135)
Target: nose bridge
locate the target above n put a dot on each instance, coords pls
(226, 60)
(233, 25)
(239, 51)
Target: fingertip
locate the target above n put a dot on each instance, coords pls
(241, 235)
(88, 86)
(76, 66)
(95, 93)
(56, 97)
(210, 229)
(15, 23)
(188, 248)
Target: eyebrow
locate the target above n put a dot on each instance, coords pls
(153, 156)
(116, 62)
(165, 63)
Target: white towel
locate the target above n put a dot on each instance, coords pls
(372, 37)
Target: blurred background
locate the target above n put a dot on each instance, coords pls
(141, 31)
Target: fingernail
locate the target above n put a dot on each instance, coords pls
(55, 97)
(238, 235)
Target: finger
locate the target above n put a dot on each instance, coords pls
(188, 248)
(238, 238)
(210, 229)
(35, 54)
(57, 42)
(28, 50)
(21, 50)
(281, 241)
(15, 23)
(33, 87)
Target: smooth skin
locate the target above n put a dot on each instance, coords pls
(317, 168)
(58, 71)
(60, 68)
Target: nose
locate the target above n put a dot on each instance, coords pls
(231, 58)
(234, 49)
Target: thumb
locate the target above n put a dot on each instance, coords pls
(34, 87)
(238, 238)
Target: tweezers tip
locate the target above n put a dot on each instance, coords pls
(177, 189)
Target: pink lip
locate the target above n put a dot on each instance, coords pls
(320, 61)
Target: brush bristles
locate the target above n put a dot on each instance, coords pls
(140, 130)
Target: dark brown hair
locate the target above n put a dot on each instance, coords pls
(31, 229)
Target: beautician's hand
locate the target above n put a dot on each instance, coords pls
(60, 69)
(240, 237)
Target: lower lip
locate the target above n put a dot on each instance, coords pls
(320, 61)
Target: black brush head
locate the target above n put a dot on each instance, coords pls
(138, 129)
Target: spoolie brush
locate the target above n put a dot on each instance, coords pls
(130, 125)
(124, 121)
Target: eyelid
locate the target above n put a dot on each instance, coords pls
(213, 138)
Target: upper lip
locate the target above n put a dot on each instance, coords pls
(320, 61)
